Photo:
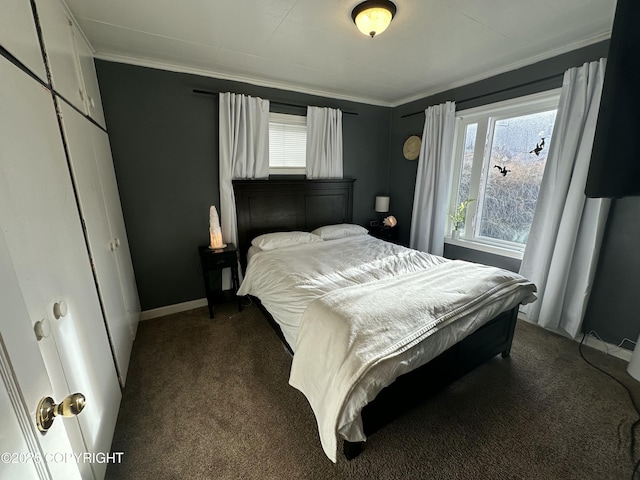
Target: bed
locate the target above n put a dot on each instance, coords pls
(399, 324)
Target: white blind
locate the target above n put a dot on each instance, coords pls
(287, 141)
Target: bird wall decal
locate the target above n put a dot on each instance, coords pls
(539, 147)
(502, 170)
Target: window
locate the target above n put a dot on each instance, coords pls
(500, 156)
(287, 143)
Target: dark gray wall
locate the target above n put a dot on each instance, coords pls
(612, 311)
(477, 256)
(164, 140)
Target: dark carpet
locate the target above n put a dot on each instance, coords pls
(209, 399)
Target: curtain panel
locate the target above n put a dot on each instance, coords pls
(430, 201)
(324, 143)
(566, 234)
(243, 154)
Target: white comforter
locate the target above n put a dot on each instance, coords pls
(287, 279)
(339, 303)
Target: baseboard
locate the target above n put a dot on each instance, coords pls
(590, 341)
(169, 309)
(608, 348)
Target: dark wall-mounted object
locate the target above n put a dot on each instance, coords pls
(615, 160)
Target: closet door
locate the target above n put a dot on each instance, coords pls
(18, 35)
(46, 243)
(24, 381)
(102, 243)
(89, 77)
(118, 230)
(55, 22)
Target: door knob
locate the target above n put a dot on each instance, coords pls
(60, 309)
(48, 411)
(42, 328)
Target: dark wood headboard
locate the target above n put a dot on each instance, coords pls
(265, 206)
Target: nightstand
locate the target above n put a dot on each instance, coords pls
(390, 234)
(212, 260)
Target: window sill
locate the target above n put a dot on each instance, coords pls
(287, 171)
(484, 247)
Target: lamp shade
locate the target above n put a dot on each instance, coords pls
(373, 16)
(382, 204)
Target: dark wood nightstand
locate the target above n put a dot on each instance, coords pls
(390, 234)
(218, 260)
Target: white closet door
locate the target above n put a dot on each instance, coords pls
(118, 230)
(101, 241)
(89, 77)
(18, 35)
(23, 382)
(59, 45)
(41, 224)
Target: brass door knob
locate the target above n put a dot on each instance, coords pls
(47, 410)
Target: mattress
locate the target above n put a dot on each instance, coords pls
(294, 280)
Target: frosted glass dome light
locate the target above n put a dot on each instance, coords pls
(373, 17)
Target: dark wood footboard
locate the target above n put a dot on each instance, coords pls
(413, 388)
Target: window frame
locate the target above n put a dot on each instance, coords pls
(290, 119)
(485, 117)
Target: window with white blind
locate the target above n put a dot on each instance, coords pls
(287, 144)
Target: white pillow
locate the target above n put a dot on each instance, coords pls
(270, 241)
(331, 232)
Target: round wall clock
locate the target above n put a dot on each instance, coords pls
(411, 147)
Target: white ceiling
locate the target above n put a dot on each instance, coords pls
(313, 46)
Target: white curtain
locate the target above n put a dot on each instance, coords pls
(324, 143)
(564, 243)
(243, 153)
(430, 200)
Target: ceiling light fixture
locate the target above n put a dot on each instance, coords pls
(373, 16)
